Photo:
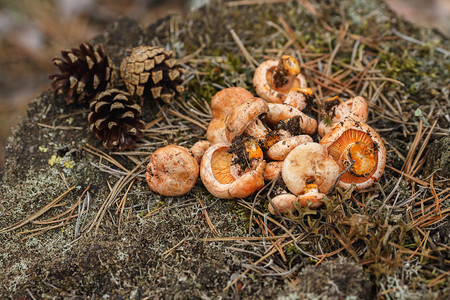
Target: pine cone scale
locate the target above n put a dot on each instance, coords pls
(152, 72)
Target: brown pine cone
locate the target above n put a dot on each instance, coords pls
(84, 72)
(152, 72)
(115, 118)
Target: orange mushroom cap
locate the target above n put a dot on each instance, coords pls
(172, 171)
(357, 142)
(243, 115)
(312, 197)
(281, 149)
(273, 79)
(222, 104)
(225, 101)
(278, 112)
(285, 202)
(337, 110)
(223, 179)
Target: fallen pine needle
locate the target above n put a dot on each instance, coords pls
(36, 214)
(168, 252)
(208, 220)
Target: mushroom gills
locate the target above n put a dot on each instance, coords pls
(221, 165)
(357, 146)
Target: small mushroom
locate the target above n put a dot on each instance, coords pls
(281, 149)
(172, 171)
(272, 170)
(273, 79)
(226, 180)
(198, 149)
(285, 202)
(337, 110)
(222, 104)
(357, 143)
(278, 112)
(299, 98)
(312, 197)
(244, 115)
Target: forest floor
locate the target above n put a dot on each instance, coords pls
(77, 220)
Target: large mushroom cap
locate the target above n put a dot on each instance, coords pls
(224, 179)
(172, 171)
(278, 112)
(280, 150)
(222, 104)
(356, 141)
(240, 118)
(306, 164)
(226, 100)
(337, 110)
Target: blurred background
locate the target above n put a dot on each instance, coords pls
(32, 32)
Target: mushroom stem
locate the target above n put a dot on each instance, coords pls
(198, 149)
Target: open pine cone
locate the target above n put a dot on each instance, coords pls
(84, 72)
(115, 119)
(153, 72)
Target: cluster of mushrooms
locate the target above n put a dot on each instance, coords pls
(253, 140)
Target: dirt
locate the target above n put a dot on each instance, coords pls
(160, 251)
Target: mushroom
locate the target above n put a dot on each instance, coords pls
(285, 202)
(272, 170)
(299, 98)
(198, 149)
(278, 112)
(306, 164)
(357, 143)
(309, 173)
(222, 104)
(273, 79)
(225, 179)
(246, 115)
(172, 171)
(281, 149)
(337, 110)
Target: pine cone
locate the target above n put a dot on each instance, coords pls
(85, 72)
(115, 119)
(153, 72)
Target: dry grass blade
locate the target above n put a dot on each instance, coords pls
(208, 219)
(255, 2)
(263, 258)
(117, 188)
(37, 214)
(168, 252)
(177, 114)
(60, 127)
(422, 148)
(409, 158)
(121, 205)
(244, 238)
(416, 180)
(253, 63)
(105, 156)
